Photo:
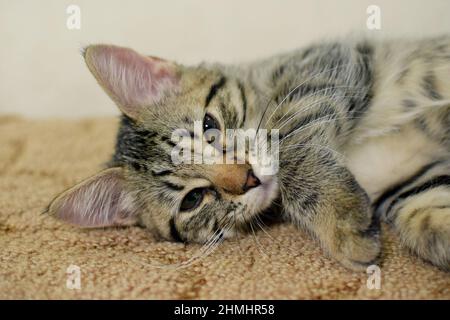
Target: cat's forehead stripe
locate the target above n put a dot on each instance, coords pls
(173, 186)
(161, 173)
(214, 89)
(244, 102)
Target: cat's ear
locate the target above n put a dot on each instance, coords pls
(132, 80)
(99, 201)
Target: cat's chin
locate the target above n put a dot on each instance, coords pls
(261, 197)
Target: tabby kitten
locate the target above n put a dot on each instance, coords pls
(364, 131)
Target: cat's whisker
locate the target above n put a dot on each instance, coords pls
(263, 114)
(314, 145)
(309, 107)
(207, 248)
(319, 121)
(258, 244)
(439, 104)
(218, 231)
(237, 234)
(261, 225)
(279, 244)
(316, 93)
(306, 81)
(250, 224)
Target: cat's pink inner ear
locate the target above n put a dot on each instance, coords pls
(99, 201)
(132, 80)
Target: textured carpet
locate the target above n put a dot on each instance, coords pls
(40, 158)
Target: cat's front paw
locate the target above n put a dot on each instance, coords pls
(356, 249)
(357, 252)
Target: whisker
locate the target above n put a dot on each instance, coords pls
(253, 234)
(264, 113)
(316, 93)
(307, 80)
(309, 107)
(237, 235)
(261, 225)
(314, 145)
(211, 244)
(258, 244)
(207, 248)
(276, 241)
(318, 121)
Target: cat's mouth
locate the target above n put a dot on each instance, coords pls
(263, 208)
(261, 197)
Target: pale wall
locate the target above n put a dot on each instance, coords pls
(42, 73)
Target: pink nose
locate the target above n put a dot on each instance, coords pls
(251, 182)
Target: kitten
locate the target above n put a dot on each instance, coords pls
(364, 131)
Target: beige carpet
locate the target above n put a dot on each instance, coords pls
(40, 158)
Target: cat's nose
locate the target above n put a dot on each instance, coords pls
(252, 181)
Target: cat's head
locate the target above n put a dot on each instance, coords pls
(143, 184)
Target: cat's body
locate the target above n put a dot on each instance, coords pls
(365, 135)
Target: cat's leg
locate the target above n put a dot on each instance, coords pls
(420, 212)
(324, 198)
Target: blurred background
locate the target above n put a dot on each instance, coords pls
(42, 73)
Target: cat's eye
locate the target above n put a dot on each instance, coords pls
(210, 123)
(193, 199)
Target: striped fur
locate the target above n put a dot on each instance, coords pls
(365, 137)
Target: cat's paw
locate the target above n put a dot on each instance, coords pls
(357, 249)
(357, 252)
